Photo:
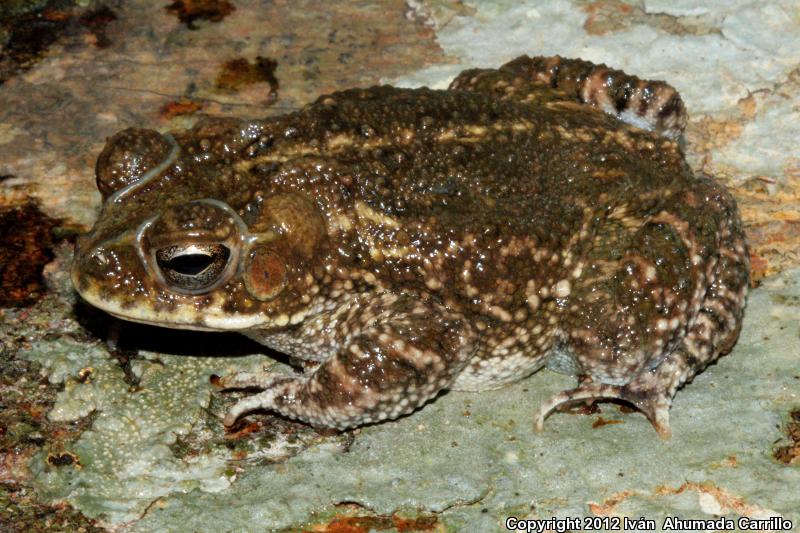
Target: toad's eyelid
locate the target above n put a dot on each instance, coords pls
(140, 240)
(237, 220)
(150, 174)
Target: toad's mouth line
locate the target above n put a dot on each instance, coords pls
(179, 319)
(170, 325)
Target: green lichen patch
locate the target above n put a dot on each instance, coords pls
(19, 511)
(26, 398)
(128, 458)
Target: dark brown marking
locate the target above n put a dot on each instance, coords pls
(27, 237)
(189, 11)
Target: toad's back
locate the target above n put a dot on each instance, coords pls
(473, 160)
(493, 204)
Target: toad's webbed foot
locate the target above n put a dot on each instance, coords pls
(653, 404)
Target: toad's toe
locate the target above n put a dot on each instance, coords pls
(655, 405)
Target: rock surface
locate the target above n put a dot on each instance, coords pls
(130, 437)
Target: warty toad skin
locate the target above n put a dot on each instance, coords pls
(401, 242)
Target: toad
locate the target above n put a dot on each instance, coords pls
(402, 242)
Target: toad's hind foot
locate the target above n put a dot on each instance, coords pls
(649, 104)
(653, 404)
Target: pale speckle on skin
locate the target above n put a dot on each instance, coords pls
(562, 288)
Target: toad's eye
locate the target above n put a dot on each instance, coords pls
(193, 269)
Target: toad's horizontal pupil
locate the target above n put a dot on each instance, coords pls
(190, 264)
(193, 268)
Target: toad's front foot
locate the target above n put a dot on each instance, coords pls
(278, 391)
(402, 354)
(273, 385)
(244, 380)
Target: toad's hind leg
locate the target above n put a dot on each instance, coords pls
(711, 332)
(650, 104)
(394, 354)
